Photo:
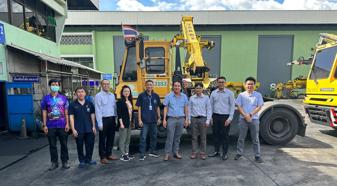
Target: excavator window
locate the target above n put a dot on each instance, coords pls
(155, 60)
(130, 69)
(323, 63)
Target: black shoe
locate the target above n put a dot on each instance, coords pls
(214, 154)
(153, 154)
(65, 165)
(224, 157)
(258, 160)
(124, 158)
(237, 157)
(53, 166)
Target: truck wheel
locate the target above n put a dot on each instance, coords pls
(278, 126)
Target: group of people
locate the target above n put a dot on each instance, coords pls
(104, 115)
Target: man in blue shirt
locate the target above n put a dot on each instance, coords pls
(175, 118)
(200, 113)
(148, 104)
(82, 121)
(249, 103)
(54, 108)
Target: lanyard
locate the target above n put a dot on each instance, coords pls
(150, 100)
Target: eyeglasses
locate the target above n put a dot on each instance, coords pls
(221, 82)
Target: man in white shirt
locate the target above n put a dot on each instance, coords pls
(106, 111)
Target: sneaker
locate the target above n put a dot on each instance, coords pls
(53, 166)
(258, 160)
(142, 158)
(213, 154)
(124, 158)
(81, 165)
(130, 156)
(153, 154)
(237, 157)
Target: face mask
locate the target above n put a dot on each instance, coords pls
(54, 88)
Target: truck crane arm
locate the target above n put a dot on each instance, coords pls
(193, 45)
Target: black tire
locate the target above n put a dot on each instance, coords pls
(278, 126)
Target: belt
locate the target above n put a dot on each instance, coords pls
(108, 117)
(198, 117)
(176, 117)
(220, 114)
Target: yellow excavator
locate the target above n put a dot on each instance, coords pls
(160, 61)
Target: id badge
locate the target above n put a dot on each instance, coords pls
(150, 107)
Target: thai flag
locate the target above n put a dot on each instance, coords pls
(129, 33)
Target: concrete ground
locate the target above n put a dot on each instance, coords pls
(310, 160)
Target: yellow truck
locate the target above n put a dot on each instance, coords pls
(321, 92)
(160, 62)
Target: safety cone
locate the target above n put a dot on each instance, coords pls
(23, 131)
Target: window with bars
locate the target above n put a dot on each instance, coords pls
(76, 40)
(86, 61)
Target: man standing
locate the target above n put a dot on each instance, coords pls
(176, 110)
(200, 114)
(148, 104)
(54, 108)
(82, 121)
(249, 104)
(106, 110)
(223, 107)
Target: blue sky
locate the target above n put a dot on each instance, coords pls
(171, 5)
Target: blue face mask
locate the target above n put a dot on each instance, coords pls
(54, 88)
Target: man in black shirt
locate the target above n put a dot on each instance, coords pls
(148, 104)
(82, 121)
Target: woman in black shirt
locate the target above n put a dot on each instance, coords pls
(125, 118)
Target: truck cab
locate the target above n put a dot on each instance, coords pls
(142, 61)
(321, 92)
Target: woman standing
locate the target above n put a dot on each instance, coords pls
(125, 118)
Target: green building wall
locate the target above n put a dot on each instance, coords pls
(239, 48)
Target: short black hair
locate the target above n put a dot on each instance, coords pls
(54, 81)
(221, 77)
(177, 82)
(198, 85)
(250, 79)
(80, 88)
(104, 80)
(149, 80)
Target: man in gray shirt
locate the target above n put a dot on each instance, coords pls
(106, 111)
(200, 114)
(249, 104)
(223, 107)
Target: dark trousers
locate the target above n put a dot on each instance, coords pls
(151, 129)
(106, 137)
(220, 133)
(53, 134)
(88, 140)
